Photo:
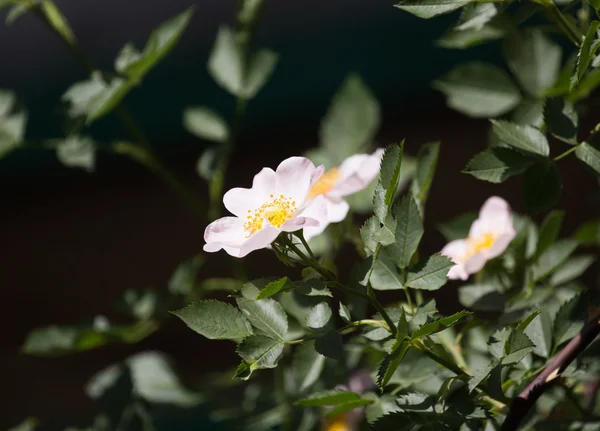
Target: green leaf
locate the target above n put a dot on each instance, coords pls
(589, 233)
(480, 374)
(586, 52)
(77, 152)
(551, 259)
(308, 365)
(346, 407)
(430, 274)
(439, 324)
(57, 21)
(534, 59)
(367, 233)
(529, 111)
(183, 280)
(345, 313)
(385, 274)
(260, 352)
(430, 8)
(590, 155)
(496, 165)
(226, 64)
(12, 123)
(351, 121)
(475, 16)
(479, 90)
(561, 119)
(208, 162)
(266, 315)
(543, 186)
(58, 340)
(391, 362)
(522, 137)
(215, 320)
(330, 345)
(260, 69)
(313, 287)
(461, 39)
(458, 227)
(318, 316)
(570, 319)
(402, 326)
(571, 269)
(518, 346)
(549, 231)
(388, 182)
(409, 231)
(482, 297)
(427, 160)
(272, 288)
(328, 398)
(30, 423)
(206, 124)
(540, 333)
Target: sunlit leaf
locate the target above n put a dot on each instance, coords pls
(215, 320)
(430, 8)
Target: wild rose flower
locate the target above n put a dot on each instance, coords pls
(359, 383)
(353, 175)
(277, 202)
(488, 237)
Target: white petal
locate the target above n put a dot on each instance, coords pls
(475, 263)
(337, 210)
(296, 223)
(316, 209)
(261, 239)
(226, 231)
(357, 172)
(293, 178)
(500, 244)
(494, 217)
(456, 250)
(239, 200)
(320, 170)
(457, 272)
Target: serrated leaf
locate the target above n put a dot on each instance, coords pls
(367, 233)
(458, 227)
(346, 407)
(569, 320)
(308, 365)
(385, 274)
(430, 8)
(475, 16)
(439, 324)
(260, 352)
(77, 152)
(382, 406)
(461, 39)
(551, 259)
(409, 231)
(540, 333)
(586, 51)
(549, 231)
(518, 346)
(330, 345)
(389, 178)
(430, 274)
(345, 313)
(542, 186)
(351, 121)
(318, 316)
(534, 59)
(479, 375)
(272, 288)
(482, 297)
(390, 363)
(479, 90)
(427, 160)
(522, 137)
(215, 320)
(225, 64)
(590, 155)
(328, 398)
(260, 69)
(561, 119)
(402, 326)
(571, 269)
(497, 165)
(206, 124)
(267, 315)
(313, 287)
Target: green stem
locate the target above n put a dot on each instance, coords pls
(566, 153)
(409, 299)
(348, 329)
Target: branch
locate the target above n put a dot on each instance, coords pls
(526, 399)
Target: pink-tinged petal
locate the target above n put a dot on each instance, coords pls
(320, 170)
(457, 272)
(357, 172)
(337, 210)
(239, 200)
(494, 217)
(261, 239)
(475, 263)
(456, 250)
(500, 245)
(224, 233)
(296, 223)
(293, 178)
(316, 209)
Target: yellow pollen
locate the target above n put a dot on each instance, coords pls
(277, 211)
(484, 242)
(324, 183)
(337, 424)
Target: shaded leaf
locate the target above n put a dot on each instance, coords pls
(496, 165)
(409, 231)
(549, 231)
(439, 324)
(260, 69)
(571, 269)
(430, 274)
(225, 63)
(590, 155)
(427, 160)
(483, 297)
(430, 8)
(266, 315)
(215, 320)
(344, 313)
(390, 363)
(570, 319)
(543, 186)
(385, 274)
(561, 119)
(389, 178)
(206, 124)
(458, 227)
(330, 345)
(260, 352)
(308, 365)
(586, 51)
(540, 333)
(522, 137)
(318, 316)
(551, 259)
(183, 281)
(77, 152)
(328, 398)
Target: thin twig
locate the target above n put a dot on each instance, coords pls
(527, 399)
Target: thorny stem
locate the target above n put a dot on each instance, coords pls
(144, 154)
(527, 399)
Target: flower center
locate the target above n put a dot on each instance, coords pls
(481, 243)
(278, 210)
(337, 424)
(324, 183)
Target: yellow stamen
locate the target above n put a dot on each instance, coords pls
(338, 423)
(277, 211)
(479, 244)
(324, 183)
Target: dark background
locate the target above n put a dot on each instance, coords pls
(73, 242)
